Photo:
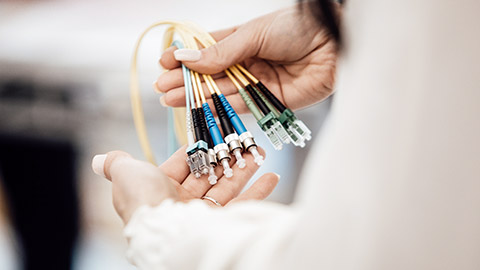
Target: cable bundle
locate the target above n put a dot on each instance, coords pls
(206, 145)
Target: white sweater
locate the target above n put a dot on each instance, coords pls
(394, 183)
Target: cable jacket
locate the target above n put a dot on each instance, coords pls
(212, 125)
(274, 100)
(261, 105)
(222, 116)
(236, 122)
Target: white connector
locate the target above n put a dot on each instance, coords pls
(258, 159)
(240, 161)
(212, 178)
(227, 171)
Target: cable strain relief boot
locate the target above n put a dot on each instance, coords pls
(225, 123)
(196, 126)
(203, 128)
(261, 105)
(272, 98)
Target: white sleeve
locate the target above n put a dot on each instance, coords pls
(193, 235)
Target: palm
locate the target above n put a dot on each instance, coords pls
(188, 187)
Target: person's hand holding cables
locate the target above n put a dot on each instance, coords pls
(288, 51)
(136, 183)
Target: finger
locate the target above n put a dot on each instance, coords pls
(228, 188)
(221, 34)
(135, 182)
(170, 80)
(236, 47)
(197, 187)
(167, 60)
(260, 189)
(175, 167)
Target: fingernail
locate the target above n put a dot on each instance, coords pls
(98, 163)
(155, 87)
(162, 101)
(278, 175)
(187, 55)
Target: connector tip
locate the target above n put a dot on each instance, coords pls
(259, 160)
(198, 175)
(228, 172)
(212, 179)
(241, 163)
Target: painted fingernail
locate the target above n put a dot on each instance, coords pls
(187, 55)
(98, 163)
(162, 101)
(155, 87)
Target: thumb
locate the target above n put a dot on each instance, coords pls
(231, 50)
(135, 182)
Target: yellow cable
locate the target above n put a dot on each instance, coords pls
(239, 76)
(208, 83)
(200, 88)
(229, 74)
(195, 90)
(137, 109)
(249, 75)
(214, 85)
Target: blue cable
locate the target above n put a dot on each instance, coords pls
(212, 125)
(234, 119)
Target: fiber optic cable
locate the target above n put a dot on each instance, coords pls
(197, 157)
(136, 102)
(230, 136)
(287, 118)
(268, 123)
(199, 130)
(220, 147)
(202, 131)
(264, 121)
(294, 129)
(188, 85)
(245, 137)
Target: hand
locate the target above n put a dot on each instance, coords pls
(136, 183)
(287, 50)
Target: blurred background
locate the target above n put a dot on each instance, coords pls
(64, 97)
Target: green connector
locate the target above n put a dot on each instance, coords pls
(296, 129)
(267, 124)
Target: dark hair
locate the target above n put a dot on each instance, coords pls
(325, 14)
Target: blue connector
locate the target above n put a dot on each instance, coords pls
(245, 137)
(221, 148)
